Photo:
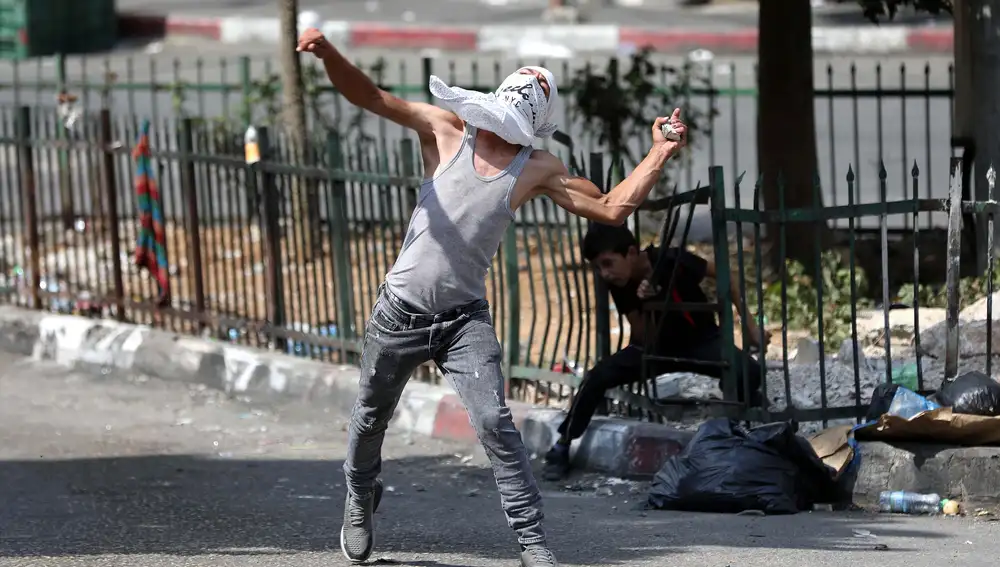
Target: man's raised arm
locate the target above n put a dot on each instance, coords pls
(359, 90)
(581, 197)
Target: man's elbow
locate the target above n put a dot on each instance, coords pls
(611, 214)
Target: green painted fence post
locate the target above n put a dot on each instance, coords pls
(246, 84)
(192, 218)
(65, 174)
(426, 70)
(720, 243)
(512, 341)
(340, 236)
(408, 155)
(271, 219)
(29, 201)
(602, 307)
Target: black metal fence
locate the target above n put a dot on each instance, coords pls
(289, 257)
(906, 331)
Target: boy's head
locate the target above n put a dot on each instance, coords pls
(614, 251)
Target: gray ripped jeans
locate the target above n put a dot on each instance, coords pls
(463, 343)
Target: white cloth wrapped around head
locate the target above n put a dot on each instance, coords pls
(518, 111)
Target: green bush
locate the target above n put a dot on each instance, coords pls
(802, 305)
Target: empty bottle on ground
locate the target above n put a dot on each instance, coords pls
(899, 502)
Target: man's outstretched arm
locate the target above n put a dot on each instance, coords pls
(425, 119)
(581, 197)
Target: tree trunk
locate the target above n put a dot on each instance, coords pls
(984, 64)
(786, 127)
(294, 122)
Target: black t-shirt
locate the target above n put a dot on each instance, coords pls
(680, 328)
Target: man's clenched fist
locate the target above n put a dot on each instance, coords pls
(312, 41)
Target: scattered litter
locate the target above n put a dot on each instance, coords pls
(971, 393)
(605, 491)
(390, 488)
(881, 547)
(466, 459)
(184, 421)
(310, 497)
(863, 533)
(900, 502)
(473, 492)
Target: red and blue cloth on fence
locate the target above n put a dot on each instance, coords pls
(150, 247)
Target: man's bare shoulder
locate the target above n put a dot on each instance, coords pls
(441, 114)
(442, 122)
(543, 164)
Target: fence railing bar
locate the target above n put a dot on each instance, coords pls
(953, 268)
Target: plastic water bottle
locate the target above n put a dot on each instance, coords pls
(905, 376)
(898, 502)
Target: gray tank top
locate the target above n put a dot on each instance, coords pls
(454, 232)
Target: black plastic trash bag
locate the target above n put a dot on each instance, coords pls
(881, 400)
(728, 468)
(971, 393)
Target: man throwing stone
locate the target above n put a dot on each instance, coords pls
(479, 168)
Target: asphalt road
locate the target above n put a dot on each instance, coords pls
(717, 16)
(852, 131)
(453, 12)
(117, 471)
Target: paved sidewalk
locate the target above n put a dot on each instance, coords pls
(117, 470)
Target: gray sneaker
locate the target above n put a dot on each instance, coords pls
(357, 536)
(538, 555)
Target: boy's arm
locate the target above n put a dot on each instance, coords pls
(637, 328)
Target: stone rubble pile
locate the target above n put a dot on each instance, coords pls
(806, 389)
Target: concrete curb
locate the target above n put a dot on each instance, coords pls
(613, 446)
(623, 448)
(969, 474)
(542, 40)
